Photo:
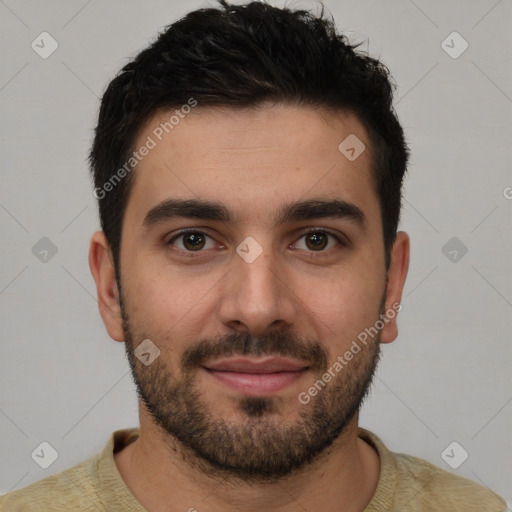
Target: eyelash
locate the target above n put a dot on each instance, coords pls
(188, 231)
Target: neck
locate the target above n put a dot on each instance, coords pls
(158, 471)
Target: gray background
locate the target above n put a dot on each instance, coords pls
(447, 377)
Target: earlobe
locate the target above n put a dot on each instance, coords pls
(103, 272)
(397, 274)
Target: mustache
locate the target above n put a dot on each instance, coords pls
(274, 343)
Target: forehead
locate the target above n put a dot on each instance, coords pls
(252, 160)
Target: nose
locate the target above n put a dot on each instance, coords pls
(258, 296)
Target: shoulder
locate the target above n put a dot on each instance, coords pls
(71, 487)
(92, 485)
(438, 489)
(411, 484)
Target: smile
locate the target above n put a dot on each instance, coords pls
(256, 378)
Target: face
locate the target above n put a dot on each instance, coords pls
(252, 258)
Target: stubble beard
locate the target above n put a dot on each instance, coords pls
(259, 446)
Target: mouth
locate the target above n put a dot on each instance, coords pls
(256, 377)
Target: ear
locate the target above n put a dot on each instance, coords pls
(397, 273)
(103, 271)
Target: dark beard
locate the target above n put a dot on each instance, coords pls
(261, 447)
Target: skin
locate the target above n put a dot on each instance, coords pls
(254, 162)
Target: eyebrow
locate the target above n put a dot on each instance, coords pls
(213, 211)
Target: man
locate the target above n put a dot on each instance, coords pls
(248, 167)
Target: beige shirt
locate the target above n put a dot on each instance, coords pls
(406, 484)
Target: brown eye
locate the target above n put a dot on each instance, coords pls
(318, 240)
(192, 241)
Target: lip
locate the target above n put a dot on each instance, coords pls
(266, 365)
(257, 377)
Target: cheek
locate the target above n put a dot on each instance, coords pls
(164, 301)
(342, 306)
